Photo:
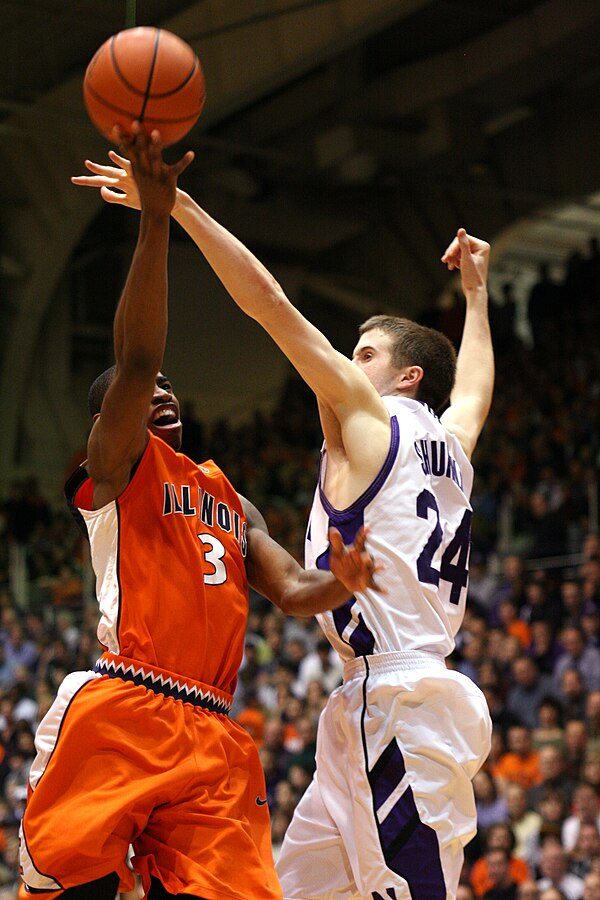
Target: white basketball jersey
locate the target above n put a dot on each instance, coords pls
(419, 518)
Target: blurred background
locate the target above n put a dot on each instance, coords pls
(344, 141)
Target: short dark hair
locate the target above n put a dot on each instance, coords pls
(98, 390)
(419, 345)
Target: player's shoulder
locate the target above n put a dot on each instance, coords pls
(407, 409)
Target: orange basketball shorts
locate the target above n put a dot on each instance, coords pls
(122, 764)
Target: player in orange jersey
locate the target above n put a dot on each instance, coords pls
(141, 750)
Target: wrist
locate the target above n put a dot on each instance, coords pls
(182, 200)
(477, 293)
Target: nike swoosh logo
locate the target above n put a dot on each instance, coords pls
(260, 802)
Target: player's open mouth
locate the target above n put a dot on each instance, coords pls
(165, 417)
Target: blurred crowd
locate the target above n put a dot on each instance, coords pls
(530, 639)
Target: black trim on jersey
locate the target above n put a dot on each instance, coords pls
(141, 679)
(74, 482)
(72, 485)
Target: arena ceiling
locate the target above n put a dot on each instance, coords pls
(346, 136)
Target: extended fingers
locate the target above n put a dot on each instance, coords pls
(112, 196)
(108, 171)
(120, 160)
(180, 166)
(452, 255)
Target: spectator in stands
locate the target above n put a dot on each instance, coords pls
(587, 846)
(590, 624)
(571, 596)
(491, 806)
(511, 583)
(529, 688)
(496, 837)
(511, 624)
(544, 528)
(322, 665)
(550, 729)
(553, 769)
(578, 655)
(521, 763)
(482, 583)
(524, 821)
(554, 872)
(504, 887)
(575, 746)
(585, 811)
(552, 810)
(572, 694)
(543, 648)
(502, 719)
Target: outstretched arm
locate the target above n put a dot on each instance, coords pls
(472, 393)
(275, 574)
(338, 384)
(120, 434)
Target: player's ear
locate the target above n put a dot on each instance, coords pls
(409, 377)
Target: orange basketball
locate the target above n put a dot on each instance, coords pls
(147, 74)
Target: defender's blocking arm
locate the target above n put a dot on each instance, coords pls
(472, 394)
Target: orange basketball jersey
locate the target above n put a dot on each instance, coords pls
(169, 561)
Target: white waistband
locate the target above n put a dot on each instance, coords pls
(391, 662)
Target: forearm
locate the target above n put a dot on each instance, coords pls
(248, 282)
(475, 362)
(257, 293)
(140, 326)
(313, 592)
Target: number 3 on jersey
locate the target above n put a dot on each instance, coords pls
(213, 551)
(456, 573)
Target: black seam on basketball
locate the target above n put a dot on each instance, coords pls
(129, 113)
(169, 93)
(150, 75)
(145, 92)
(118, 72)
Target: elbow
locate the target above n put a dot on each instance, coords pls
(286, 604)
(271, 296)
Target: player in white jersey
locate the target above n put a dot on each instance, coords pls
(391, 806)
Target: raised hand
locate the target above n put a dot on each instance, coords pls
(470, 255)
(352, 564)
(116, 183)
(155, 181)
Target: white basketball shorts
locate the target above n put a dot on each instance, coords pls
(391, 804)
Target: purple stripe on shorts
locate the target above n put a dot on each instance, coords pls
(410, 847)
(386, 774)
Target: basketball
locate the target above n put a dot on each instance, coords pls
(145, 74)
